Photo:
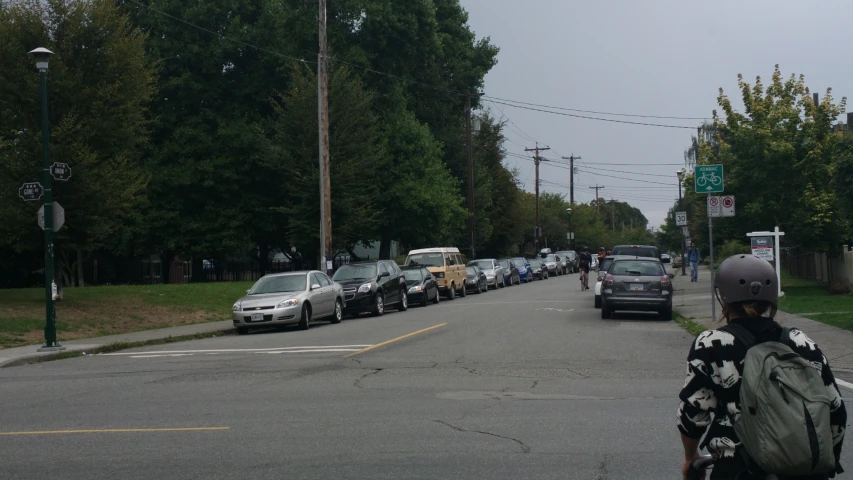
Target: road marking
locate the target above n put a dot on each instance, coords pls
(554, 310)
(312, 351)
(118, 430)
(844, 384)
(231, 350)
(172, 355)
(386, 342)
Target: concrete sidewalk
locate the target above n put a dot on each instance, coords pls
(30, 353)
(693, 300)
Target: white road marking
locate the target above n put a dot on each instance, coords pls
(152, 356)
(844, 384)
(554, 310)
(235, 350)
(311, 351)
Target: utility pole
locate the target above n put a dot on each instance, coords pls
(536, 162)
(471, 217)
(612, 214)
(597, 187)
(571, 160)
(323, 119)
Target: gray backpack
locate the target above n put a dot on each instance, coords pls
(784, 421)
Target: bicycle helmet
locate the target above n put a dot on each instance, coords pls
(742, 278)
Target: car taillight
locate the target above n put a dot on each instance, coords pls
(608, 280)
(664, 281)
(600, 278)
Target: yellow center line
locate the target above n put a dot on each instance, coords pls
(118, 430)
(386, 342)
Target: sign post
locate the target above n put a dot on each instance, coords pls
(760, 240)
(709, 179)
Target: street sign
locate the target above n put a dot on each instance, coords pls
(762, 247)
(685, 231)
(714, 209)
(680, 219)
(728, 204)
(773, 239)
(58, 216)
(60, 171)
(570, 236)
(708, 178)
(31, 191)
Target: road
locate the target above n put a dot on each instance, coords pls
(525, 382)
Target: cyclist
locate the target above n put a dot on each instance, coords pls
(584, 261)
(601, 254)
(746, 288)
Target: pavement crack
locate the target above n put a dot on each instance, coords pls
(524, 448)
(602, 470)
(357, 382)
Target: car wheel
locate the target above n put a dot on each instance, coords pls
(242, 330)
(464, 290)
(426, 298)
(378, 305)
(404, 303)
(480, 288)
(339, 312)
(598, 301)
(503, 281)
(451, 294)
(305, 321)
(437, 297)
(666, 314)
(605, 312)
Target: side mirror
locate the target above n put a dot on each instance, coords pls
(670, 275)
(247, 291)
(384, 274)
(315, 286)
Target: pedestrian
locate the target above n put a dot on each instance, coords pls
(693, 258)
(795, 425)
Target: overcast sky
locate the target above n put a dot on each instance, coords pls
(650, 57)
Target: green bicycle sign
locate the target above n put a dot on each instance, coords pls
(708, 178)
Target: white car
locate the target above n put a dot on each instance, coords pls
(605, 264)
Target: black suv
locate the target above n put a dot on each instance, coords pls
(649, 251)
(371, 286)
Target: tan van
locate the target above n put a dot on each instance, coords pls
(446, 264)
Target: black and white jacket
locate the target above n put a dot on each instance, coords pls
(711, 392)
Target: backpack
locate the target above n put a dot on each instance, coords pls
(784, 421)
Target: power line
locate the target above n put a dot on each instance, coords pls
(631, 179)
(591, 118)
(597, 113)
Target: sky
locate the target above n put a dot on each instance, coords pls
(650, 57)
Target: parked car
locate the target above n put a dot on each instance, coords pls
(540, 271)
(525, 273)
(602, 271)
(551, 261)
(445, 264)
(593, 264)
(421, 285)
(493, 270)
(676, 261)
(476, 279)
(289, 298)
(372, 286)
(511, 274)
(637, 284)
(568, 259)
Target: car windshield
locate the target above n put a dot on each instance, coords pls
(534, 263)
(504, 263)
(518, 261)
(426, 259)
(279, 284)
(550, 258)
(605, 264)
(355, 272)
(637, 251)
(413, 276)
(482, 264)
(470, 271)
(640, 268)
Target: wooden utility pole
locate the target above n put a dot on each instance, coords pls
(571, 160)
(323, 119)
(597, 187)
(536, 162)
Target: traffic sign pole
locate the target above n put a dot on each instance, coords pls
(711, 243)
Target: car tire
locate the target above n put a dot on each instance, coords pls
(464, 292)
(605, 312)
(338, 314)
(437, 297)
(305, 321)
(451, 293)
(503, 281)
(598, 301)
(479, 288)
(378, 305)
(426, 298)
(404, 303)
(242, 330)
(666, 314)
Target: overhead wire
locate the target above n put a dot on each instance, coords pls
(593, 111)
(613, 120)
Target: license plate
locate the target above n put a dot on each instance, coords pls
(636, 287)
(257, 317)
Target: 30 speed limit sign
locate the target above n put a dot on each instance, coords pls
(680, 219)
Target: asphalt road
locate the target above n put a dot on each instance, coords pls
(524, 382)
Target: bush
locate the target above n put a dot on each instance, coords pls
(732, 247)
(839, 287)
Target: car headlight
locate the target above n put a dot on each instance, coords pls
(236, 307)
(439, 275)
(364, 288)
(417, 288)
(288, 303)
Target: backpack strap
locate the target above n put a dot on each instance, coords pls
(786, 336)
(741, 334)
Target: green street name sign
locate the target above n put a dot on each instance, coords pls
(708, 178)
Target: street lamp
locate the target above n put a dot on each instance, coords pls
(571, 233)
(41, 56)
(681, 173)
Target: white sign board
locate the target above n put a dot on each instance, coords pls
(685, 231)
(570, 236)
(680, 219)
(714, 208)
(727, 202)
(58, 216)
(774, 238)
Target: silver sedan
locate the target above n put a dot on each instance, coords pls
(289, 298)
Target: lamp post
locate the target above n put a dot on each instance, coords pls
(680, 174)
(41, 56)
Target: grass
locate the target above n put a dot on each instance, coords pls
(107, 310)
(811, 299)
(692, 327)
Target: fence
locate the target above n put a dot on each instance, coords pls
(820, 266)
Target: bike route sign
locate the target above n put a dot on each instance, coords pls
(708, 178)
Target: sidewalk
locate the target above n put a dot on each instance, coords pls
(21, 355)
(693, 300)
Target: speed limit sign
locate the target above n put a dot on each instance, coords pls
(680, 219)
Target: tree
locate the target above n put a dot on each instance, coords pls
(99, 83)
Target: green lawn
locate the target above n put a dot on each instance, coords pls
(96, 311)
(813, 299)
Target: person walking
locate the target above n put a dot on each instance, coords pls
(693, 258)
